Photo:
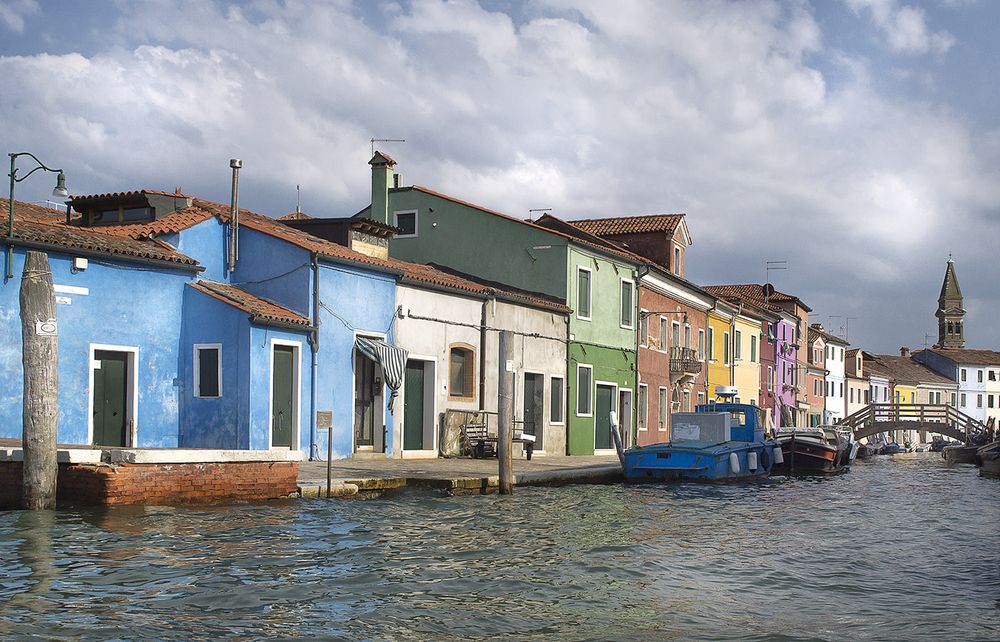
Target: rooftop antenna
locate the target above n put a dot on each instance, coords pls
(847, 333)
(531, 212)
(298, 197)
(385, 140)
(768, 266)
(927, 337)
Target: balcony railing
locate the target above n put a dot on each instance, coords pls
(684, 361)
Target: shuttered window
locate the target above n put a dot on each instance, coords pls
(462, 372)
(583, 293)
(556, 400)
(208, 371)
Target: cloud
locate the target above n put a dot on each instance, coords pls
(592, 109)
(13, 13)
(904, 26)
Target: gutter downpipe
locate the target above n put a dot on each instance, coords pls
(482, 355)
(732, 348)
(314, 345)
(641, 272)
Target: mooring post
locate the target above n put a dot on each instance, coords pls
(505, 417)
(40, 361)
(329, 460)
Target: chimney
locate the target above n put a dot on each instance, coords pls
(382, 181)
(904, 351)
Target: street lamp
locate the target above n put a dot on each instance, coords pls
(60, 190)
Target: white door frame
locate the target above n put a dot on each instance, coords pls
(432, 382)
(614, 406)
(132, 385)
(381, 394)
(296, 392)
(627, 438)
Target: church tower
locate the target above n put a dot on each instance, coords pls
(951, 328)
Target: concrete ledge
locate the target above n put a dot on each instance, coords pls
(90, 456)
(337, 489)
(197, 456)
(591, 474)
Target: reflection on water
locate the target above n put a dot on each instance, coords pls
(896, 549)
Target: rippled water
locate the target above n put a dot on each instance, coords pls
(895, 549)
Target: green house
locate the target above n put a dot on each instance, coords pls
(597, 281)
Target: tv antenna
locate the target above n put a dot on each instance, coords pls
(298, 197)
(385, 140)
(531, 212)
(768, 266)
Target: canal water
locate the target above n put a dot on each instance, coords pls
(898, 548)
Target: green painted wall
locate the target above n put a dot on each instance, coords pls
(609, 366)
(604, 326)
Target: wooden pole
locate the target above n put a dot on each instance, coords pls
(40, 361)
(505, 418)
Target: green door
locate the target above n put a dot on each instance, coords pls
(282, 396)
(110, 381)
(413, 406)
(602, 417)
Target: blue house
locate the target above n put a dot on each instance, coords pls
(167, 341)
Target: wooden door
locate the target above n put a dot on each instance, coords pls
(533, 417)
(413, 406)
(110, 398)
(602, 417)
(282, 396)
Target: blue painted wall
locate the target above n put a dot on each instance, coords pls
(275, 270)
(260, 344)
(205, 243)
(127, 305)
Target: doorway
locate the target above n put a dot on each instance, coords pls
(413, 406)
(369, 416)
(111, 400)
(603, 406)
(625, 417)
(284, 394)
(533, 415)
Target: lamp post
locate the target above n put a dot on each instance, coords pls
(60, 190)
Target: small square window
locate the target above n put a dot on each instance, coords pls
(407, 223)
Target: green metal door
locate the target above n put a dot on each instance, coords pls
(110, 381)
(282, 396)
(602, 417)
(413, 406)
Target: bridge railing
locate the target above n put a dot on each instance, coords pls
(907, 415)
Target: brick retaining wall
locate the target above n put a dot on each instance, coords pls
(84, 484)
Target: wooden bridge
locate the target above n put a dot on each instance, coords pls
(935, 418)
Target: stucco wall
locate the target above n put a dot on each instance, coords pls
(275, 270)
(609, 365)
(747, 366)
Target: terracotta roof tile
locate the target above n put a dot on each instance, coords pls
(829, 337)
(452, 279)
(907, 371)
(260, 310)
(752, 293)
(118, 195)
(40, 226)
(295, 216)
(613, 226)
(970, 356)
(170, 224)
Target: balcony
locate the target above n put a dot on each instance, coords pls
(684, 363)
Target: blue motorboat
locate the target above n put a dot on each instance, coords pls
(718, 442)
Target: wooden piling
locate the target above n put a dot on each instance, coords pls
(505, 417)
(40, 361)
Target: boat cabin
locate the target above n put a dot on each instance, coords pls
(745, 419)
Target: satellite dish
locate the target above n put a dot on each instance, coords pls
(768, 290)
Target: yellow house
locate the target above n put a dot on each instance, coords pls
(746, 357)
(719, 346)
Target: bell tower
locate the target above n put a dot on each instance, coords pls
(951, 327)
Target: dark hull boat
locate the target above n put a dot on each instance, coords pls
(960, 454)
(811, 451)
(988, 460)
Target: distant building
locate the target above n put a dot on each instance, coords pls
(816, 377)
(950, 313)
(835, 383)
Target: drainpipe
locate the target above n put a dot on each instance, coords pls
(482, 355)
(314, 344)
(641, 272)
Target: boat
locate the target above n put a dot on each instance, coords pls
(865, 451)
(959, 454)
(988, 460)
(891, 448)
(718, 442)
(821, 449)
(937, 444)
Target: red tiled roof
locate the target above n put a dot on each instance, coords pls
(119, 195)
(752, 293)
(170, 224)
(41, 226)
(613, 226)
(827, 336)
(260, 310)
(970, 356)
(295, 216)
(907, 371)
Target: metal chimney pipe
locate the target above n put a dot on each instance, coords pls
(234, 214)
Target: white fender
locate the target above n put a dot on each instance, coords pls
(734, 463)
(779, 458)
(751, 461)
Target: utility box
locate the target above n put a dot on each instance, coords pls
(706, 427)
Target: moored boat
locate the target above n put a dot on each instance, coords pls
(891, 448)
(719, 442)
(812, 451)
(959, 454)
(988, 460)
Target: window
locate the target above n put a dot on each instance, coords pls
(753, 348)
(979, 401)
(584, 383)
(711, 344)
(841, 395)
(583, 293)
(953, 400)
(643, 408)
(989, 401)
(644, 327)
(815, 387)
(913, 397)
(677, 260)
(980, 373)
(963, 374)
(556, 400)
(852, 394)
(407, 223)
(662, 408)
(208, 370)
(687, 336)
(725, 355)
(738, 350)
(963, 400)
(663, 333)
(701, 344)
(462, 371)
(627, 306)
(675, 334)
(770, 378)
(993, 375)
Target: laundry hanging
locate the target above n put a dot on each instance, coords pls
(390, 359)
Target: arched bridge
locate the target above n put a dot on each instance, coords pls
(936, 418)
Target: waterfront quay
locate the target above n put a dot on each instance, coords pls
(454, 476)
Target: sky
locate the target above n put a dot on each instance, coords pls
(855, 139)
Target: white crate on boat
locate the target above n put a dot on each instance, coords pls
(711, 427)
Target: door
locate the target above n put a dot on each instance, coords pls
(625, 416)
(413, 406)
(110, 398)
(602, 417)
(282, 396)
(364, 401)
(533, 422)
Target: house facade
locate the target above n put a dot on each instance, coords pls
(971, 370)
(720, 346)
(816, 385)
(836, 376)
(856, 383)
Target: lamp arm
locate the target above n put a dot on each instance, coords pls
(41, 165)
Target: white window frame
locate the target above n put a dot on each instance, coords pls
(738, 346)
(644, 327)
(770, 379)
(590, 294)
(643, 408)
(590, 391)
(196, 373)
(631, 303)
(753, 348)
(701, 344)
(727, 348)
(296, 395)
(662, 409)
(416, 223)
(562, 398)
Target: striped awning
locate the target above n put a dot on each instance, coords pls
(390, 359)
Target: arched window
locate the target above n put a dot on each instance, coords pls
(462, 371)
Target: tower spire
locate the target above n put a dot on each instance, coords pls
(950, 312)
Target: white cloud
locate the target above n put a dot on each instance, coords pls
(905, 27)
(13, 13)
